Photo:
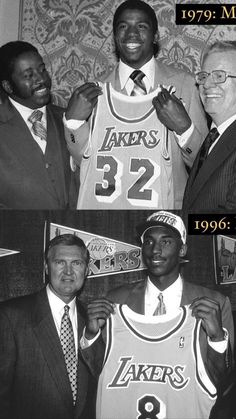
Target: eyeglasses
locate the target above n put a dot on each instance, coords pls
(218, 76)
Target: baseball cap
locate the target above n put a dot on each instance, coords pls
(166, 219)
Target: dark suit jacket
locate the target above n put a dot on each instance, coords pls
(26, 182)
(214, 187)
(133, 295)
(180, 157)
(34, 383)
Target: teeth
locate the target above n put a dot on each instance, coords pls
(132, 45)
(40, 91)
(215, 95)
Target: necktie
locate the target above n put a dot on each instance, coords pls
(68, 347)
(37, 127)
(161, 308)
(209, 140)
(139, 86)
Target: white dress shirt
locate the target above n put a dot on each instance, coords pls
(57, 309)
(25, 113)
(171, 296)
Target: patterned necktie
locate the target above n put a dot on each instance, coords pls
(161, 308)
(68, 347)
(139, 88)
(209, 140)
(37, 127)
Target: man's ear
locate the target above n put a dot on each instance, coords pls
(46, 267)
(183, 250)
(156, 38)
(7, 87)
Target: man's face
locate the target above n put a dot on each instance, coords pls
(67, 268)
(30, 82)
(219, 100)
(161, 250)
(134, 37)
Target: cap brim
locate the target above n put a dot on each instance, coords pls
(141, 228)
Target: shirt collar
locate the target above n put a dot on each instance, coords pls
(56, 304)
(24, 110)
(222, 127)
(125, 71)
(174, 290)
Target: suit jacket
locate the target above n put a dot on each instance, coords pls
(218, 365)
(34, 383)
(181, 157)
(30, 179)
(214, 187)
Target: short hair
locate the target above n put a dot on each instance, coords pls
(9, 53)
(219, 46)
(67, 240)
(140, 5)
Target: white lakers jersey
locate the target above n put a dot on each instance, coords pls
(153, 368)
(127, 163)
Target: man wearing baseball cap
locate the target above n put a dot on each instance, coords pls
(163, 290)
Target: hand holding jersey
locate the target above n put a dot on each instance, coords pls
(97, 313)
(171, 112)
(82, 101)
(209, 312)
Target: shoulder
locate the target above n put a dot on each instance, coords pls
(200, 291)
(121, 294)
(20, 305)
(176, 74)
(55, 109)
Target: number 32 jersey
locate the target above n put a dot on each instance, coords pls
(127, 163)
(153, 368)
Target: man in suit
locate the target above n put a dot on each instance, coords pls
(34, 161)
(35, 378)
(177, 123)
(212, 181)
(163, 238)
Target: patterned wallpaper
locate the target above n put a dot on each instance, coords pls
(75, 38)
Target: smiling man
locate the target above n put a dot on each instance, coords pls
(142, 338)
(42, 373)
(133, 137)
(34, 160)
(212, 181)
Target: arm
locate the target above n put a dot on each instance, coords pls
(97, 313)
(180, 111)
(215, 317)
(80, 107)
(7, 366)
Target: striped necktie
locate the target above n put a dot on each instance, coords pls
(139, 88)
(37, 127)
(68, 347)
(161, 308)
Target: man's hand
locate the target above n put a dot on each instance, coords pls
(97, 312)
(82, 101)
(209, 311)
(171, 112)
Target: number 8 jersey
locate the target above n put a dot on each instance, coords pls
(127, 163)
(153, 368)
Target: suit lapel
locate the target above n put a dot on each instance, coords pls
(222, 150)
(49, 342)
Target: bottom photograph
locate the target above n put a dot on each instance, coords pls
(115, 315)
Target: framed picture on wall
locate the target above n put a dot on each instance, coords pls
(225, 259)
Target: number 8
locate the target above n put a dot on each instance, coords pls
(150, 407)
